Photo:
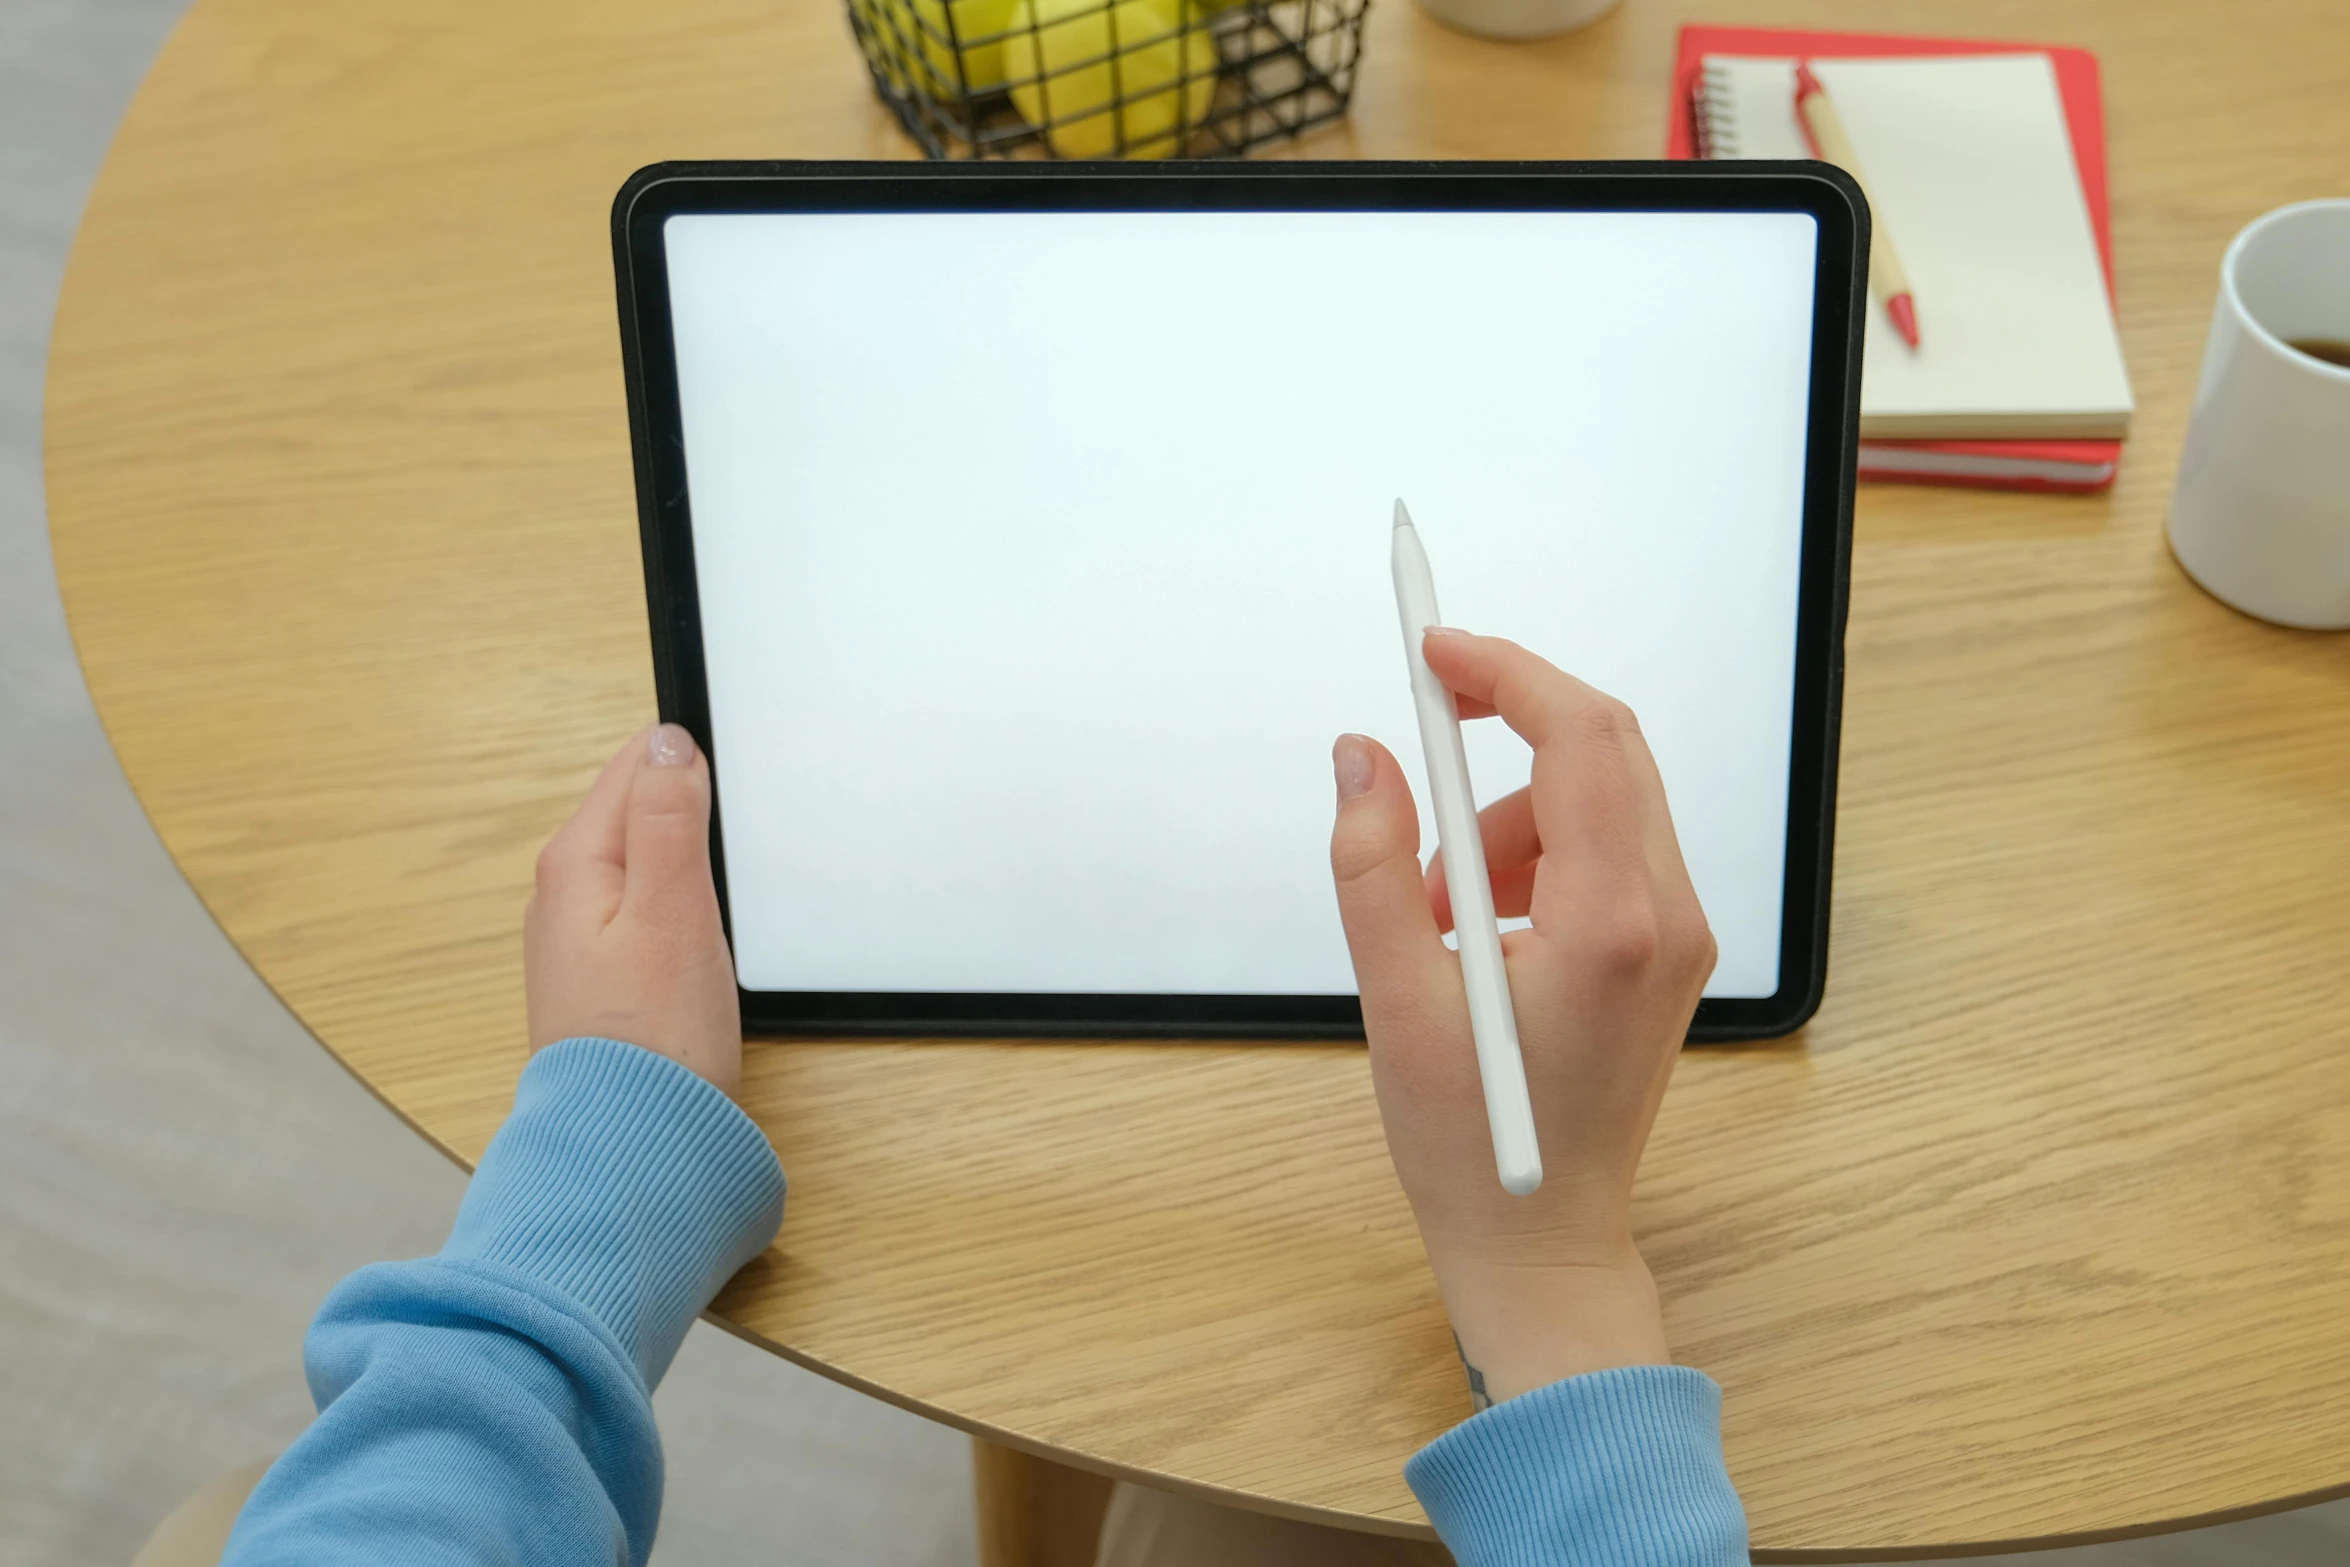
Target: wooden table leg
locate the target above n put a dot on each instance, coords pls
(1034, 1512)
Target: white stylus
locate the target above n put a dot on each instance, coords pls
(1509, 1111)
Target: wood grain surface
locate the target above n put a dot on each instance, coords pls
(2041, 1231)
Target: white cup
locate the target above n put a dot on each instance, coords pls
(1517, 18)
(2261, 515)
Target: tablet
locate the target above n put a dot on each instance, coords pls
(1016, 544)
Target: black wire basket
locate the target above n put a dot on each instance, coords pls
(1109, 78)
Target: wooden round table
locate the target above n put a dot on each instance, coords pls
(2040, 1232)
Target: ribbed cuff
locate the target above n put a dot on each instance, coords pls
(627, 1183)
(1622, 1466)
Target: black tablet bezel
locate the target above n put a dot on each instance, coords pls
(653, 195)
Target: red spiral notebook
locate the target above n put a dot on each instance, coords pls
(2071, 465)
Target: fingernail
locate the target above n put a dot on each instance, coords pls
(670, 746)
(1447, 631)
(1351, 759)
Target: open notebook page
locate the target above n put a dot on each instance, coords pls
(1970, 171)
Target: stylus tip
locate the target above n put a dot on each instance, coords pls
(1403, 519)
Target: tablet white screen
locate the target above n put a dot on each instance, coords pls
(1041, 557)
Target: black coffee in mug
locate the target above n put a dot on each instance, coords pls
(2330, 349)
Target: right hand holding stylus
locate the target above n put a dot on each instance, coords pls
(1604, 983)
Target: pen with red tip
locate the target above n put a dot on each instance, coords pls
(1816, 113)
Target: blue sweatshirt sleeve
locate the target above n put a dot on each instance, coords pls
(1620, 1467)
(493, 1404)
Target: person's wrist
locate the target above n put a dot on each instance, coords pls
(1522, 1325)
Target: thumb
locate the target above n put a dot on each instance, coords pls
(668, 854)
(1383, 902)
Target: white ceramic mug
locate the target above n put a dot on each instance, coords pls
(2261, 515)
(1517, 18)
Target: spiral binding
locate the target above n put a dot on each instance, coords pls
(1717, 127)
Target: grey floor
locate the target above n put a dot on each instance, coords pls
(183, 1173)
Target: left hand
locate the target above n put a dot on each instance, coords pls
(622, 938)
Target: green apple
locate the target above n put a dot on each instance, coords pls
(1069, 60)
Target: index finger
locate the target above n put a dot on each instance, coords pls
(1534, 697)
(1596, 791)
